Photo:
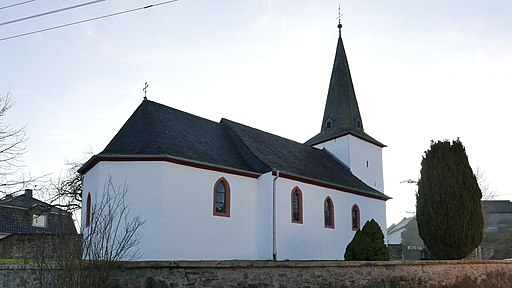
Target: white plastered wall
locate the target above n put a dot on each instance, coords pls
(363, 158)
(177, 203)
(311, 240)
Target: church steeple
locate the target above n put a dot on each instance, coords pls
(341, 114)
(341, 109)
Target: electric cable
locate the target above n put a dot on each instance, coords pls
(86, 20)
(51, 12)
(16, 4)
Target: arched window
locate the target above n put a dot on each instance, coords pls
(328, 123)
(221, 198)
(296, 202)
(88, 210)
(328, 213)
(355, 217)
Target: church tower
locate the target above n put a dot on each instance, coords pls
(342, 133)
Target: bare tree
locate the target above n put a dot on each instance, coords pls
(12, 148)
(65, 192)
(487, 192)
(111, 236)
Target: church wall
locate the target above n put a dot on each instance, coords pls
(91, 185)
(355, 153)
(177, 203)
(264, 217)
(311, 240)
(366, 162)
(338, 147)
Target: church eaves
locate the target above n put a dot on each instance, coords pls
(341, 114)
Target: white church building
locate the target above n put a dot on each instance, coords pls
(223, 190)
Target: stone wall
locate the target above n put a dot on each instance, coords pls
(39, 246)
(395, 251)
(465, 274)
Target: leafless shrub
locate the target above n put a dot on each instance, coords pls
(112, 236)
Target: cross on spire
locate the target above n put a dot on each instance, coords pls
(145, 89)
(339, 18)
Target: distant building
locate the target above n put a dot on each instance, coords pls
(24, 221)
(498, 228)
(496, 242)
(395, 230)
(405, 234)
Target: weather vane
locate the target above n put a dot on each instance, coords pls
(145, 89)
(339, 17)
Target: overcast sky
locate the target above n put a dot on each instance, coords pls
(422, 70)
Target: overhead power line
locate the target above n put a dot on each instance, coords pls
(51, 12)
(13, 5)
(86, 20)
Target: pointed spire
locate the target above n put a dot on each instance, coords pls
(341, 109)
(341, 114)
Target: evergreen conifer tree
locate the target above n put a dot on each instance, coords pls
(367, 244)
(448, 208)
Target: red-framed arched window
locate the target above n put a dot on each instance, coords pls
(221, 198)
(328, 213)
(356, 221)
(88, 210)
(296, 205)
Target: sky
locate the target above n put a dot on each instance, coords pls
(422, 71)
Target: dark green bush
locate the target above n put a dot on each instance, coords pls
(367, 244)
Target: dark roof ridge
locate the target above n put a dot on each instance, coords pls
(151, 118)
(245, 151)
(178, 110)
(262, 131)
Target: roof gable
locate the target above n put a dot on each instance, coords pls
(158, 130)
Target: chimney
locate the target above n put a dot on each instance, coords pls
(28, 192)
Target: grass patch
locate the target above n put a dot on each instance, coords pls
(14, 261)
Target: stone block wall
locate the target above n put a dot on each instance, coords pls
(39, 246)
(404, 274)
(395, 251)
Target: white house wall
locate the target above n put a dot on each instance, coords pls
(177, 203)
(363, 158)
(395, 237)
(311, 240)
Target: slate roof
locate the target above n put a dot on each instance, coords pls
(341, 106)
(155, 130)
(298, 159)
(16, 214)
